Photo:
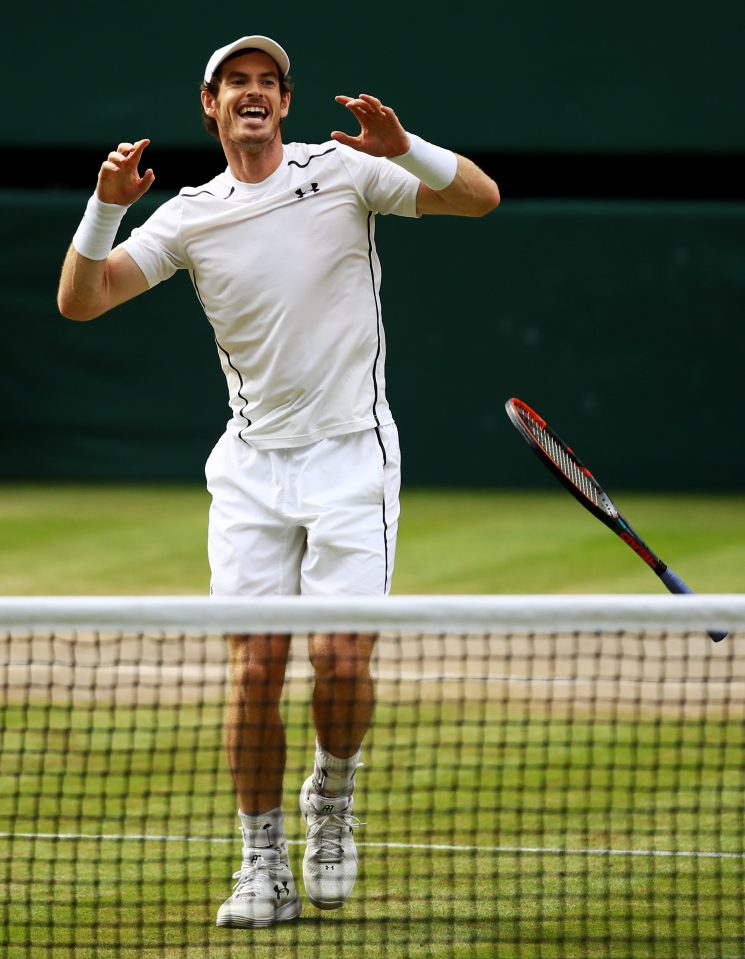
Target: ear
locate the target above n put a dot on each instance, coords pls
(208, 103)
(284, 107)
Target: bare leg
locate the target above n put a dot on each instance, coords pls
(254, 733)
(343, 698)
(343, 702)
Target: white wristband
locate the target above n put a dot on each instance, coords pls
(434, 165)
(95, 236)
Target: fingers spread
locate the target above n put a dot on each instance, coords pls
(356, 105)
(373, 103)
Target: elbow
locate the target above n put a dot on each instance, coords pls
(489, 201)
(74, 311)
(481, 203)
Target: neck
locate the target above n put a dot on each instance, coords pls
(252, 164)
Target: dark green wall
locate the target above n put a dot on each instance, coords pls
(621, 323)
(532, 75)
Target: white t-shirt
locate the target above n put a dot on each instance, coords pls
(288, 275)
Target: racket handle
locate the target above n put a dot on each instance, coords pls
(676, 585)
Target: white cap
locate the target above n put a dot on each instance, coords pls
(255, 43)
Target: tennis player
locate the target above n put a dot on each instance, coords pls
(280, 248)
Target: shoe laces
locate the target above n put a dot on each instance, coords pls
(328, 831)
(250, 878)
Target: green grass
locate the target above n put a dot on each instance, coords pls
(627, 781)
(552, 785)
(79, 539)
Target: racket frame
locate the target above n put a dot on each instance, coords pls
(571, 472)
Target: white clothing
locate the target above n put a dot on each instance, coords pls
(318, 520)
(288, 275)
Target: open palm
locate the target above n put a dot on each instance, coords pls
(381, 133)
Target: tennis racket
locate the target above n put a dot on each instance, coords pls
(577, 478)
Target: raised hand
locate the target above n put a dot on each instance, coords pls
(119, 180)
(381, 133)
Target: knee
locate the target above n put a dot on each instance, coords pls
(256, 676)
(341, 660)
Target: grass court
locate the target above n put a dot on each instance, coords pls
(493, 828)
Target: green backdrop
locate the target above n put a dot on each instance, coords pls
(621, 322)
(535, 75)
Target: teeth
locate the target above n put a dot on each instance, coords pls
(253, 112)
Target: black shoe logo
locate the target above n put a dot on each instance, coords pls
(282, 889)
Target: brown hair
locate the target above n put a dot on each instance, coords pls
(286, 85)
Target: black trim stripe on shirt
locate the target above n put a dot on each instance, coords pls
(370, 221)
(227, 357)
(209, 193)
(370, 216)
(313, 156)
(240, 378)
(385, 520)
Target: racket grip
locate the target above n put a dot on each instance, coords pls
(676, 585)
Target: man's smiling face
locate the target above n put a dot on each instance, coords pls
(249, 105)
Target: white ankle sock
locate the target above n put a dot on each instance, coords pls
(265, 831)
(333, 776)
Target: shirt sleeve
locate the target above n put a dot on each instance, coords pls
(155, 246)
(384, 186)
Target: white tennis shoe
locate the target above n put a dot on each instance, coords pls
(265, 893)
(330, 861)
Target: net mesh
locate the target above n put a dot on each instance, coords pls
(539, 789)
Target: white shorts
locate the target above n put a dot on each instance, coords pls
(317, 520)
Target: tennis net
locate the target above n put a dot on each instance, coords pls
(543, 777)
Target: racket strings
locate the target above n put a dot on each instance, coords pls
(566, 463)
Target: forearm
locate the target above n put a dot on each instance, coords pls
(472, 192)
(450, 183)
(95, 278)
(82, 288)
(84, 274)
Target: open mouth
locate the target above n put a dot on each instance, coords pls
(250, 112)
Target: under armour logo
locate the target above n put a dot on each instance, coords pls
(282, 890)
(329, 868)
(312, 188)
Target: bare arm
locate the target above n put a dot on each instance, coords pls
(471, 193)
(89, 287)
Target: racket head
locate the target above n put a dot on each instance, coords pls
(562, 461)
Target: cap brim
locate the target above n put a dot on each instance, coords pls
(266, 44)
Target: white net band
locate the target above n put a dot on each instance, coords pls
(464, 615)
